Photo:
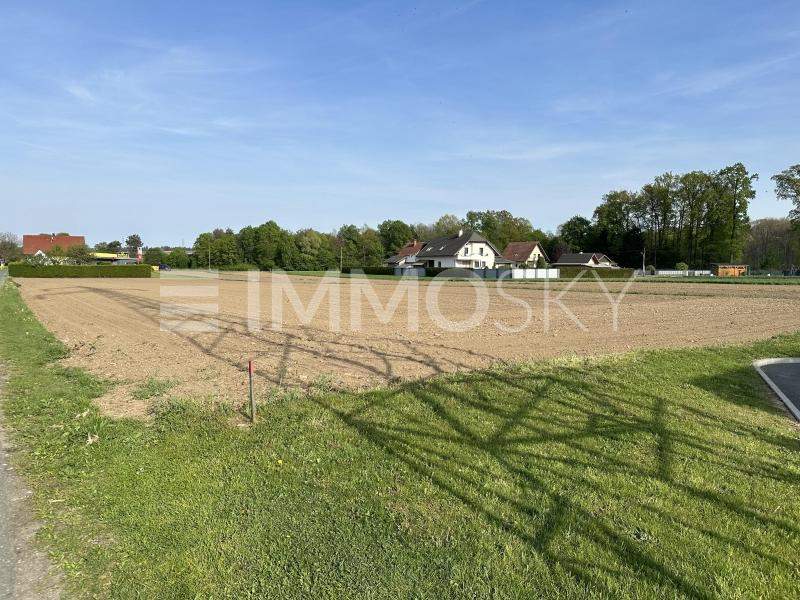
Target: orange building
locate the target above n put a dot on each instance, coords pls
(726, 270)
(31, 244)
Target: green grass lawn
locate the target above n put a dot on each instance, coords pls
(654, 474)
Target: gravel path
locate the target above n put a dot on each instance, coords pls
(25, 572)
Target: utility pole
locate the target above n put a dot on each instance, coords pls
(209, 257)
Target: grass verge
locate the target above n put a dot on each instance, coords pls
(653, 474)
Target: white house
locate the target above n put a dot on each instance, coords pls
(466, 249)
(524, 253)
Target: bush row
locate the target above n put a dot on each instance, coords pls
(23, 270)
(571, 272)
(238, 267)
(369, 270)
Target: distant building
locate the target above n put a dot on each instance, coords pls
(466, 249)
(524, 253)
(594, 260)
(407, 255)
(44, 243)
(727, 270)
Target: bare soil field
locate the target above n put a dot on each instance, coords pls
(132, 330)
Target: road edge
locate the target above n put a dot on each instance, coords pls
(757, 364)
(34, 575)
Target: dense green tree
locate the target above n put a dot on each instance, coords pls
(787, 187)
(315, 251)
(736, 190)
(132, 243)
(372, 251)
(202, 250)
(577, 234)
(247, 238)
(447, 225)
(114, 247)
(153, 256)
(394, 235)
(177, 259)
(225, 251)
(501, 227)
(80, 254)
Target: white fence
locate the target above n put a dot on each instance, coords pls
(676, 273)
(535, 273)
(490, 273)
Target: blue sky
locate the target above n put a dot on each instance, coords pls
(171, 118)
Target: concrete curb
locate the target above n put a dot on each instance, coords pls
(795, 410)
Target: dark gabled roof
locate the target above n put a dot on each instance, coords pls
(581, 258)
(521, 251)
(576, 258)
(451, 244)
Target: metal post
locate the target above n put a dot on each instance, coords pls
(252, 397)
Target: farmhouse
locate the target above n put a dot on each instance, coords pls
(594, 260)
(524, 253)
(466, 249)
(407, 255)
(44, 243)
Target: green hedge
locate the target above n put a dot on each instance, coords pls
(572, 272)
(23, 270)
(239, 267)
(369, 270)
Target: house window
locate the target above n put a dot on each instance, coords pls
(466, 250)
(440, 263)
(480, 250)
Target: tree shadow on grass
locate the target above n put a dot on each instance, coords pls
(520, 449)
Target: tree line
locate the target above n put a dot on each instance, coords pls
(694, 218)
(270, 246)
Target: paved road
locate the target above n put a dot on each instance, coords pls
(785, 376)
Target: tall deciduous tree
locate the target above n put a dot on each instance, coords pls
(394, 235)
(736, 190)
(133, 242)
(787, 187)
(577, 234)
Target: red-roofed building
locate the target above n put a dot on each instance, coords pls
(406, 255)
(524, 253)
(31, 244)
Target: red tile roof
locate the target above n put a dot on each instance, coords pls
(520, 251)
(410, 248)
(31, 244)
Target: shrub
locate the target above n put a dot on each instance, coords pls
(681, 266)
(455, 272)
(651, 270)
(238, 267)
(370, 270)
(572, 272)
(89, 271)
